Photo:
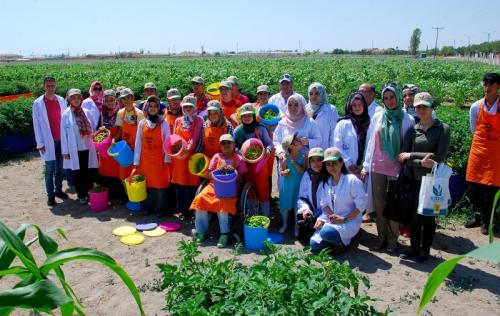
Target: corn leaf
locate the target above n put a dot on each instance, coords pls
(6, 255)
(492, 216)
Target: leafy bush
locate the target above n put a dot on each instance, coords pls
(15, 117)
(285, 282)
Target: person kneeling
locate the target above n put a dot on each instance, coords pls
(342, 196)
(207, 201)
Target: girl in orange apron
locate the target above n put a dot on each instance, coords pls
(483, 168)
(213, 129)
(127, 121)
(189, 128)
(251, 129)
(206, 201)
(150, 158)
(228, 104)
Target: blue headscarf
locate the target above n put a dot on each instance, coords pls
(313, 109)
(390, 131)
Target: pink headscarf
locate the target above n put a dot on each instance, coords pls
(298, 120)
(98, 98)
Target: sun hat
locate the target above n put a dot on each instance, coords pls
(189, 101)
(316, 152)
(332, 154)
(247, 108)
(213, 105)
(423, 98)
(226, 138)
(173, 94)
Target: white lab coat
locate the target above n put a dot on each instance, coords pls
(306, 192)
(326, 120)
(90, 105)
(165, 132)
(375, 123)
(279, 101)
(69, 141)
(346, 140)
(41, 126)
(374, 108)
(309, 131)
(347, 195)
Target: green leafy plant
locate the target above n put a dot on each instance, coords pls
(270, 115)
(439, 274)
(101, 135)
(35, 291)
(15, 117)
(253, 152)
(97, 188)
(137, 178)
(258, 221)
(284, 282)
(199, 166)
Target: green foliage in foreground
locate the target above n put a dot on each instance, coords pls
(35, 291)
(284, 282)
(15, 117)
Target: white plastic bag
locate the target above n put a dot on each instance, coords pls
(434, 197)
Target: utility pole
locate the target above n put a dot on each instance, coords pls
(468, 47)
(437, 28)
(300, 48)
(236, 48)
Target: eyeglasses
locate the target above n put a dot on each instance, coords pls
(97, 88)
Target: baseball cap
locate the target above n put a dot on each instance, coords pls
(173, 94)
(197, 79)
(149, 85)
(286, 77)
(332, 154)
(288, 140)
(213, 105)
(189, 101)
(423, 98)
(73, 92)
(316, 152)
(234, 80)
(110, 93)
(226, 138)
(125, 92)
(226, 84)
(263, 88)
(247, 108)
(153, 98)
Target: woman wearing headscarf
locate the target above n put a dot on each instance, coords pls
(350, 132)
(77, 126)
(213, 128)
(188, 126)
(150, 159)
(250, 128)
(324, 114)
(95, 101)
(384, 143)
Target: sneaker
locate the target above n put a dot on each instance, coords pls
(484, 229)
(408, 255)
(62, 195)
(222, 241)
(83, 201)
(473, 222)
(51, 201)
(199, 237)
(392, 249)
(71, 189)
(381, 246)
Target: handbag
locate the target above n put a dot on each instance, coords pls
(401, 200)
(434, 197)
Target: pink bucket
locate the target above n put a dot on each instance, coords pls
(252, 142)
(102, 147)
(172, 139)
(98, 200)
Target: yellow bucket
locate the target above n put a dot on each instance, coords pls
(213, 91)
(194, 160)
(136, 191)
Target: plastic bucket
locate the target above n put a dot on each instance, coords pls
(103, 146)
(273, 121)
(458, 186)
(213, 91)
(98, 200)
(224, 185)
(194, 160)
(170, 141)
(122, 153)
(136, 191)
(252, 142)
(255, 237)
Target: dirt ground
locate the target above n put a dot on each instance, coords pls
(397, 284)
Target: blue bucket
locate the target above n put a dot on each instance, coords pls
(255, 237)
(224, 185)
(269, 107)
(122, 153)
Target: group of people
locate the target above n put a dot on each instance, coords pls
(333, 172)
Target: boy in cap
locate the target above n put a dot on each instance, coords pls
(149, 90)
(235, 90)
(286, 90)
(202, 99)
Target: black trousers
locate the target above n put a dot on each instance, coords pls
(422, 228)
(482, 200)
(85, 177)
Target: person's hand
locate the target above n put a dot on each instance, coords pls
(404, 156)
(304, 141)
(427, 162)
(336, 219)
(134, 171)
(318, 224)
(65, 156)
(285, 172)
(42, 150)
(282, 157)
(102, 128)
(363, 175)
(307, 213)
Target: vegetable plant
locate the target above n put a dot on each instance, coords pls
(101, 135)
(253, 152)
(199, 166)
(258, 221)
(176, 147)
(137, 178)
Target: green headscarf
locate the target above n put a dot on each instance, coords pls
(390, 131)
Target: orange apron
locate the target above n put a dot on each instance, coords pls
(129, 132)
(109, 167)
(271, 158)
(483, 165)
(211, 137)
(181, 174)
(152, 156)
(229, 109)
(207, 201)
(259, 179)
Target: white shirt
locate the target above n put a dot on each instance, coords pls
(278, 100)
(309, 131)
(90, 105)
(326, 120)
(346, 140)
(347, 195)
(305, 191)
(373, 108)
(474, 111)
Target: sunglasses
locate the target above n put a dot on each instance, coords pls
(97, 89)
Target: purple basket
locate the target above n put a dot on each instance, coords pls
(225, 185)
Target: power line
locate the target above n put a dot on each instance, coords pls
(437, 28)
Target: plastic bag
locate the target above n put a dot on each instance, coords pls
(434, 197)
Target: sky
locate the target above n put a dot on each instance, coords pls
(39, 27)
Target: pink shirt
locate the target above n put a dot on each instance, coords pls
(381, 163)
(54, 116)
(241, 165)
(242, 98)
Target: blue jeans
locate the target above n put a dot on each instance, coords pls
(201, 222)
(330, 237)
(68, 174)
(54, 172)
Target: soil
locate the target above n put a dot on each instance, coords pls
(396, 283)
